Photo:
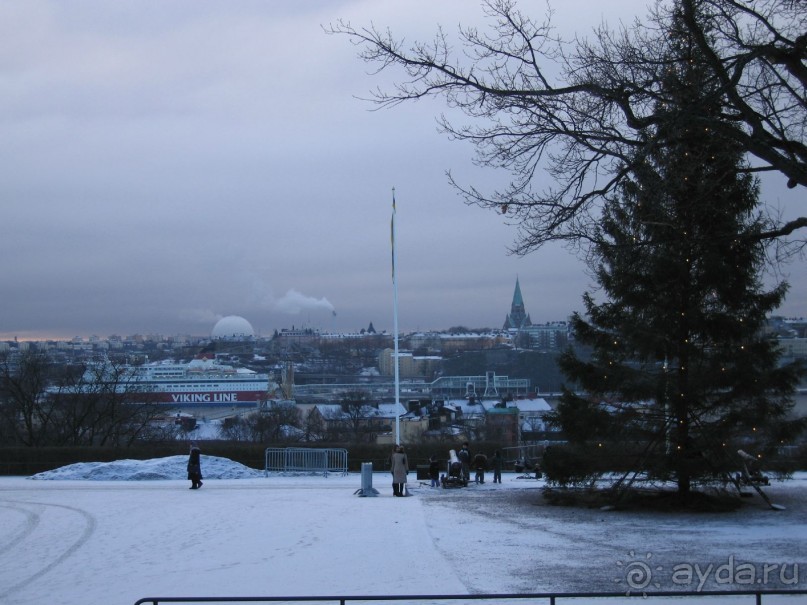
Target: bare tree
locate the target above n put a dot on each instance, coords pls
(757, 50)
(586, 112)
(313, 427)
(91, 405)
(26, 412)
(357, 418)
(277, 422)
(235, 429)
(103, 404)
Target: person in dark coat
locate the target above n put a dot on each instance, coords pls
(480, 464)
(195, 466)
(400, 468)
(498, 463)
(434, 471)
(464, 456)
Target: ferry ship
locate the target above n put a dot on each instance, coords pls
(202, 382)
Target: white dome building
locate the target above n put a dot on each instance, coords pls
(232, 327)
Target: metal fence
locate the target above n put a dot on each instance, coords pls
(312, 461)
(740, 597)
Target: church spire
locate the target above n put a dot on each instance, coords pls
(517, 318)
(517, 300)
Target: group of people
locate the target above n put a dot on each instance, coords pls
(480, 464)
(399, 467)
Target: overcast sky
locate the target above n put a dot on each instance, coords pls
(164, 163)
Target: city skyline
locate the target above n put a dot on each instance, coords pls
(208, 335)
(169, 164)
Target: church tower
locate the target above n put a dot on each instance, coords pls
(518, 317)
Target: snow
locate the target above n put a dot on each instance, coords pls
(147, 470)
(112, 533)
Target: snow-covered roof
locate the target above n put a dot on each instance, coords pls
(538, 404)
(391, 410)
(384, 410)
(468, 408)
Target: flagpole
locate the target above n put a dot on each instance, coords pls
(395, 328)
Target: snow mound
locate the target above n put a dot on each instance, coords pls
(171, 467)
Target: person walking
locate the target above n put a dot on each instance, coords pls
(434, 471)
(498, 463)
(399, 467)
(195, 466)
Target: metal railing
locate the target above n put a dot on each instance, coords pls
(550, 598)
(305, 460)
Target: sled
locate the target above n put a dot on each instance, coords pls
(752, 477)
(528, 469)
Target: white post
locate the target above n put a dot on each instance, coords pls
(367, 488)
(395, 327)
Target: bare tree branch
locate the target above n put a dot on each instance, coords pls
(569, 120)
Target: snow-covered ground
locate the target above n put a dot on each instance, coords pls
(109, 534)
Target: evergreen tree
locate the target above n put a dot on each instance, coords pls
(681, 374)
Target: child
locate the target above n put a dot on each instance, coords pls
(497, 467)
(434, 471)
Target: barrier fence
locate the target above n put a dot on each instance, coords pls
(738, 597)
(305, 460)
